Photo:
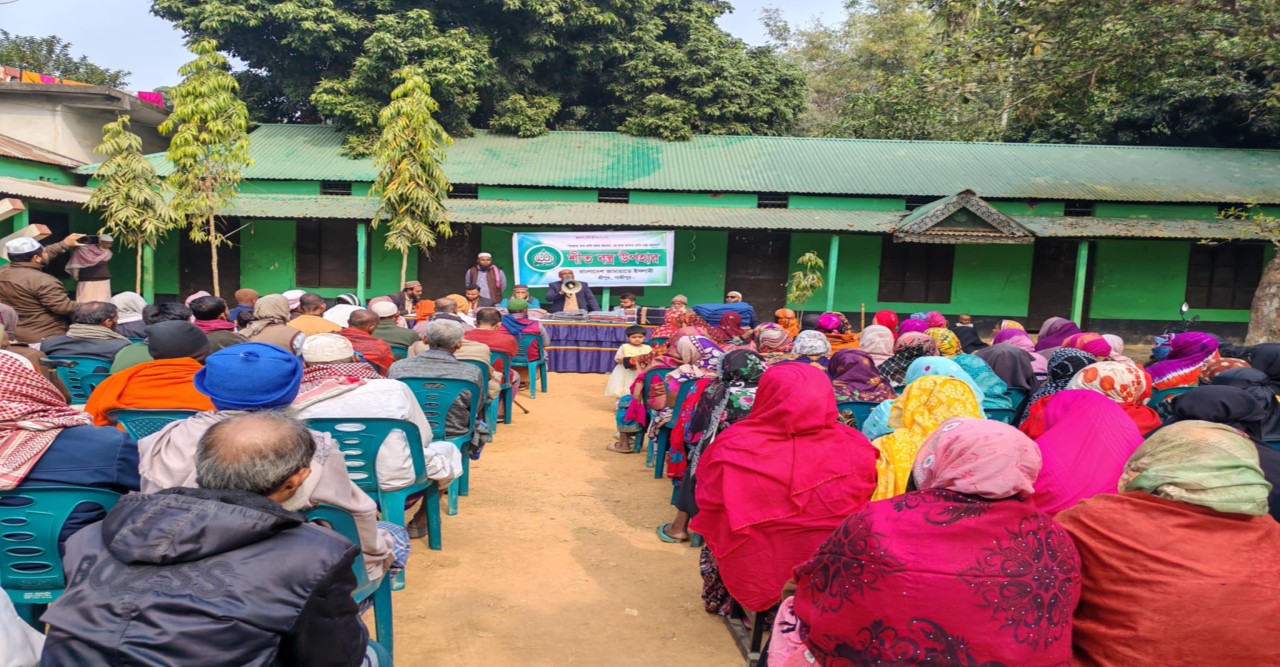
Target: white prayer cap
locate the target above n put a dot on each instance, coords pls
(22, 245)
(384, 309)
(326, 348)
(484, 255)
(105, 237)
(294, 296)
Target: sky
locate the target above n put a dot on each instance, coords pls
(122, 34)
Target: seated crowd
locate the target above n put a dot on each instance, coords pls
(917, 493)
(189, 564)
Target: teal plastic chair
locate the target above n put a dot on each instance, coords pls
(537, 368)
(435, 395)
(655, 342)
(1005, 415)
(664, 433)
(142, 423)
(343, 524)
(74, 374)
(30, 520)
(1159, 396)
(92, 380)
(398, 352)
(507, 395)
(1017, 396)
(360, 440)
(859, 409)
(491, 409)
(649, 377)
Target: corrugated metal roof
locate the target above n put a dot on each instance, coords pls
(17, 148)
(568, 214)
(21, 187)
(805, 166)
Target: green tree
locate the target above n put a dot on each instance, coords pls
(210, 145)
(129, 197)
(410, 156)
(806, 282)
(51, 55)
(653, 66)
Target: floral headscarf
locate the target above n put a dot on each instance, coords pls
(811, 344)
(935, 365)
(995, 393)
(1200, 463)
(1212, 368)
(923, 406)
(910, 346)
(699, 357)
(877, 341)
(978, 457)
(771, 338)
(855, 378)
(1124, 383)
(948, 343)
(786, 318)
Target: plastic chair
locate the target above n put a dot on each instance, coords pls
(524, 343)
(92, 380)
(435, 395)
(491, 409)
(1017, 396)
(644, 398)
(343, 524)
(73, 374)
(664, 434)
(859, 409)
(1159, 396)
(655, 342)
(142, 423)
(507, 395)
(398, 352)
(1006, 415)
(360, 357)
(30, 521)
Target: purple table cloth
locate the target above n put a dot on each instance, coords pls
(582, 347)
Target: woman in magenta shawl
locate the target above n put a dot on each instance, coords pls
(1086, 441)
(912, 324)
(1054, 333)
(964, 571)
(1187, 353)
(777, 483)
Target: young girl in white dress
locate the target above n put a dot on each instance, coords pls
(624, 374)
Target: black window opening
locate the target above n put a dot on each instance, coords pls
(336, 188)
(464, 191)
(1223, 276)
(773, 200)
(1078, 209)
(607, 196)
(914, 202)
(916, 272)
(326, 256)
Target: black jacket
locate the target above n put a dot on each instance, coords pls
(555, 298)
(202, 577)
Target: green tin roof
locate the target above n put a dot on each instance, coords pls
(569, 214)
(802, 166)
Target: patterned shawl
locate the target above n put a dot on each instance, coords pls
(1187, 352)
(314, 375)
(923, 406)
(910, 346)
(699, 358)
(1198, 462)
(948, 342)
(771, 338)
(855, 378)
(1063, 365)
(995, 393)
(32, 414)
(877, 341)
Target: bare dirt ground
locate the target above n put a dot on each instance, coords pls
(552, 559)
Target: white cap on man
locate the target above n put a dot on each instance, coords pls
(326, 348)
(484, 255)
(22, 245)
(385, 309)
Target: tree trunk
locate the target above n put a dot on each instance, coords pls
(404, 265)
(137, 270)
(1264, 315)
(213, 252)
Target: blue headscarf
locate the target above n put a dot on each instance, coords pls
(877, 423)
(996, 392)
(943, 366)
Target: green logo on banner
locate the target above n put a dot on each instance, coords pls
(543, 257)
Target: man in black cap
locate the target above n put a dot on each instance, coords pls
(178, 350)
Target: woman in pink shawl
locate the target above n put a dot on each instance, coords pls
(887, 319)
(1021, 340)
(1187, 353)
(1086, 441)
(912, 324)
(964, 571)
(877, 341)
(935, 320)
(777, 483)
(1054, 333)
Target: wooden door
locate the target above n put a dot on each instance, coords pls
(1053, 276)
(196, 271)
(443, 269)
(757, 267)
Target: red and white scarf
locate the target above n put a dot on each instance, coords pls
(324, 381)
(32, 414)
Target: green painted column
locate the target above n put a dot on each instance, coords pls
(833, 260)
(148, 274)
(22, 219)
(362, 259)
(1082, 271)
(605, 305)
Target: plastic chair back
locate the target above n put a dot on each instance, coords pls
(506, 395)
(484, 369)
(1017, 396)
(435, 395)
(342, 523)
(1005, 415)
(525, 343)
(660, 340)
(361, 439)
(859, 409)
(92, 380)
(1159, 396)
(74, 375)
(398, 352)
(142, 423)
(30, 520)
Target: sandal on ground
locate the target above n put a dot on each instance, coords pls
(665, 537)
(417, 528)
(613, 447)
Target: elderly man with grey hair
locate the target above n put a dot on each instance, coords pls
(444, 338)
(221, 570)
(92, 333)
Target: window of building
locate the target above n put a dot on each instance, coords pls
(916, 272)
(1223, 276)
(336, 188)
(613, 196)
(914, 202)
(464, 191)
(325, 253)
(773, 200)
(1078, 209)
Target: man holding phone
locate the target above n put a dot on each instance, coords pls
(42, 305)
(88, 265)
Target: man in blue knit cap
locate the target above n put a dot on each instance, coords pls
(254, 377)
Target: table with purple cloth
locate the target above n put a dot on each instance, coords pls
(583, 347)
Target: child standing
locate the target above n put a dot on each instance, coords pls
(631, 357)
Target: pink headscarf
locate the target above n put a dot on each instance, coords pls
(1021, 340)
(887, 319)
(935, 320)
(877, 341)
(978, 457)
(910, 325)
(1086, 442)
(1089, 342)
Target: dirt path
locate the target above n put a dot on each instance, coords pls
(552, 560)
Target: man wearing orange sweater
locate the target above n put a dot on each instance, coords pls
(178, 350)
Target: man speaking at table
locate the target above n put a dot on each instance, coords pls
(576, 296)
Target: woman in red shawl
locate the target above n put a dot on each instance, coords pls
(731, 331)
(887, 319)
(964, 571)
(777, 483)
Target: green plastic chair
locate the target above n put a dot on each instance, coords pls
(491, 408)
(92, 380)
(664, 434)
(30, 520)
(142, 423)
(343, 524)
(435, 395)
(1017, 396)
(360, 440)
(399, 352)
(1005, 415)
(1159, 396)
(507, 395)
(75, 372)
(859, 409)
(538, 367)
(644, 398)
